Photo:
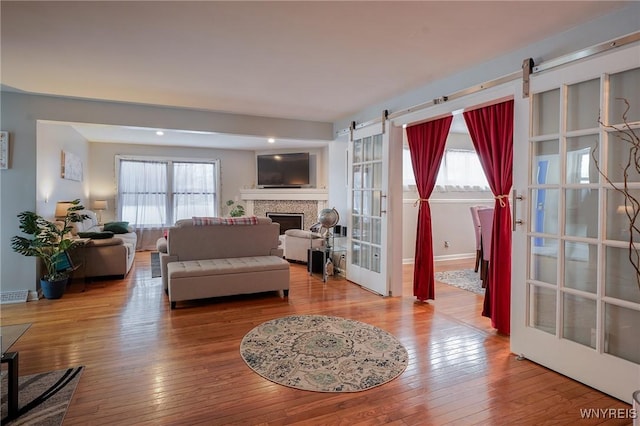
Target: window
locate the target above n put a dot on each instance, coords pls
(459, 168)
(153, 193)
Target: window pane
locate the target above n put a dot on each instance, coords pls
(580, 165)
(544, 260)
(579, 320)
(624, 85)
(583, 105)
(143, 193)
(544, 211)
(194, 190)
(543, 309)
(621, 158)
(461, 168)
(580, 266)
(618, 222)
(621, 331)
(620, 277)
(377, 147)
(580, 206)
(546, 110)
(547, 165)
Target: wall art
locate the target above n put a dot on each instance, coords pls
(71, 166)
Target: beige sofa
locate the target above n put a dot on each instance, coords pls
(102, 257)
(222, 260)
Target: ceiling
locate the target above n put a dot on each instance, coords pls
(308, 60)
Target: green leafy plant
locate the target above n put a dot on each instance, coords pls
(49, 240)
(237, 210)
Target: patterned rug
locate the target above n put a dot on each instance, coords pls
(465, 279)
(323, 354)
(155, 265)
(42, 398)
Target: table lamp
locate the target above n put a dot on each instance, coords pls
(99, 206)
(61, 209)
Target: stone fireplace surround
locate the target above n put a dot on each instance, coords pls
(307, 201)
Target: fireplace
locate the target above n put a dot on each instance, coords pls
(287, 220)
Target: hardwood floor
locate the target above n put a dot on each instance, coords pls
(146, 364)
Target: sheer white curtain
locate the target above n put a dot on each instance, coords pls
(142, 198)
(194, 190)
(461, 168)
(154, 193)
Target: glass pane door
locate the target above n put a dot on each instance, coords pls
(367, 256)
(582, 297)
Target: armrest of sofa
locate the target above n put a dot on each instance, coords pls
(277, 252)
(165, 259)
(113, 241)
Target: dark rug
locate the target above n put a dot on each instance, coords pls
(43, 398)
(465, 279)
(155, 265)
(323, 354)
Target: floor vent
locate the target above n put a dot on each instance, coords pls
(18, 296)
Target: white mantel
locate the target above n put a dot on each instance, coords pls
(285, 194)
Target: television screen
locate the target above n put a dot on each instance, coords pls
(284, 170)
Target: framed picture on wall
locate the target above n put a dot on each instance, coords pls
(4, 150)
(71, 166)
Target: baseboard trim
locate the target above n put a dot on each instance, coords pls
(459, 256)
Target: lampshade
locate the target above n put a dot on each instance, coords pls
(62, 207)
(99, 205)
(622, 209)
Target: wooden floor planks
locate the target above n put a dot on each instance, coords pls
(147, 364)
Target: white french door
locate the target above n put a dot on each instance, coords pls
(368, 185)
(575, 303)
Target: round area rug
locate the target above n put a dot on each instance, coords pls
(323, 354)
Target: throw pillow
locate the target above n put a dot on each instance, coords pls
(96, 235)
(116, 227)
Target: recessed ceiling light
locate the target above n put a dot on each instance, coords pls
(271, 140)
(159, 133)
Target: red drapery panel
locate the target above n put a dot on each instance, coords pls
(491, 130)
(426, 144)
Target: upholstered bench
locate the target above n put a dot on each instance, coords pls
(198, 279)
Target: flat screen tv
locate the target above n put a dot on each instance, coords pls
(283, 170)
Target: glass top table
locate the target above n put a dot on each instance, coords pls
(9, 335)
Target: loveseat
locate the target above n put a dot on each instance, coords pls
(297, 243)
(100, 256)
(213, 257)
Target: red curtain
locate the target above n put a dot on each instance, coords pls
(491, 130)
(426, 144)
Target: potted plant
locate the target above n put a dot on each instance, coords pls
(50, 242)
(237, 210)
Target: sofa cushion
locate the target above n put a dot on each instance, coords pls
(117, 227)
(237, 265)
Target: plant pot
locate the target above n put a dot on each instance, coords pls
(53, 289)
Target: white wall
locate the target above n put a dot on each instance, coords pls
(52, 139)
(336, 168)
